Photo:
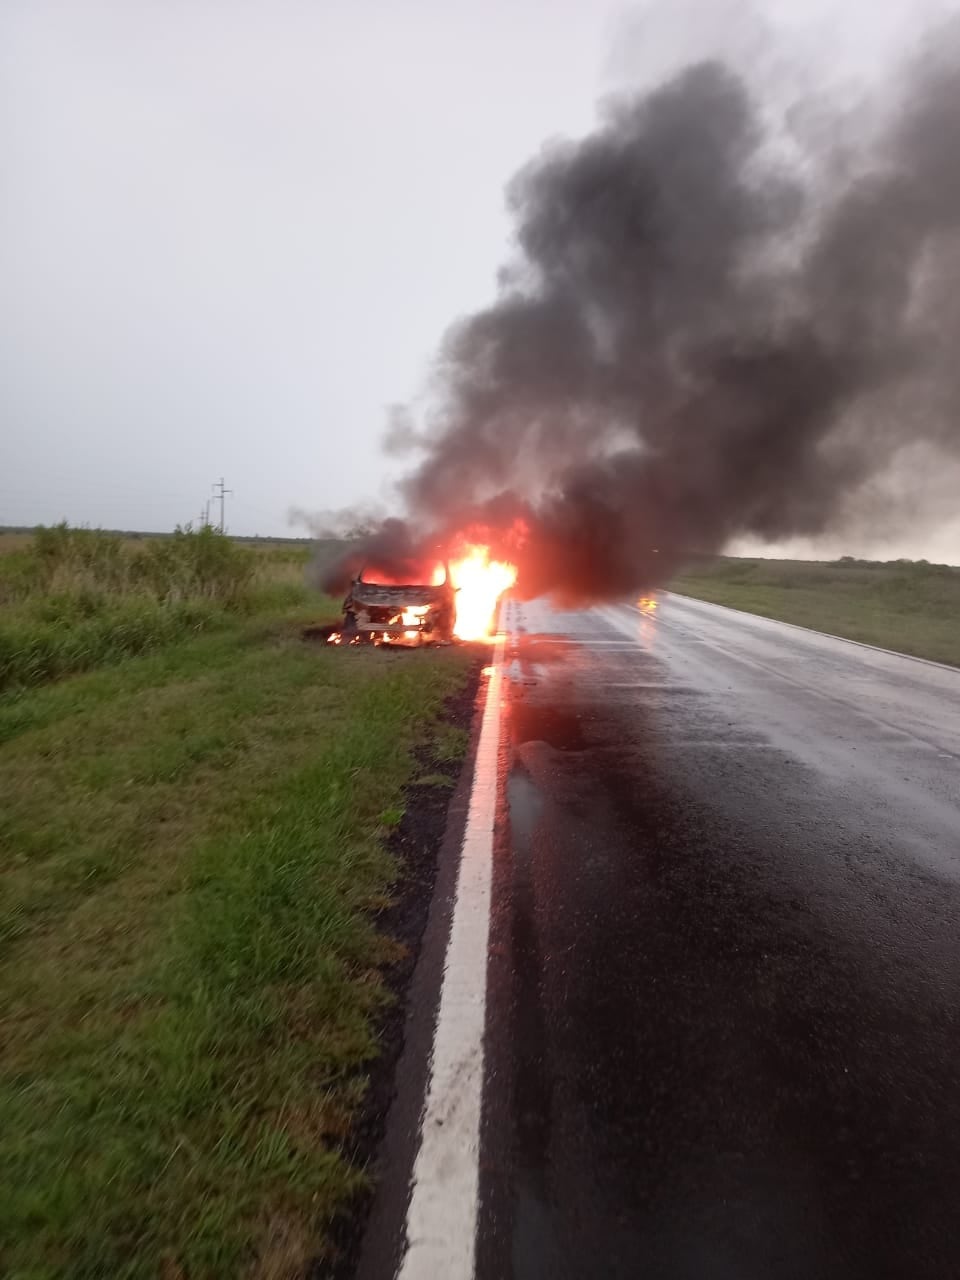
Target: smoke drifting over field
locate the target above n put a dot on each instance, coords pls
(705, 333)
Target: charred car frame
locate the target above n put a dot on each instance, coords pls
(407, 613)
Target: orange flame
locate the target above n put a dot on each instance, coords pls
(480, 583)
(413, 613)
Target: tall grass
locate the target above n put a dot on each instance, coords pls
(72, 599)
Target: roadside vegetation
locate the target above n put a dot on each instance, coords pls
(73, 599)
(192, 853)
(910, 606)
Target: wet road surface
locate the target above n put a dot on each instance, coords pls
(723, 1003)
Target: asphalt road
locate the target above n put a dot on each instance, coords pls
(723, 998)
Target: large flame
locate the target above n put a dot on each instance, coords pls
(480, 583)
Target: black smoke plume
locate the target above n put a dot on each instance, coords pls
(706, 333)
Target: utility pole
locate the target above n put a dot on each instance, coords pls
(220, 492)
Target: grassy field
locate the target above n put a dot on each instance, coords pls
(73, 599)
(912, 607)
(192, 850)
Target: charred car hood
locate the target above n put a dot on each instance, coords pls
(373, 595)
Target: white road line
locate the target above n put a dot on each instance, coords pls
(442, 1216)
(812, 631)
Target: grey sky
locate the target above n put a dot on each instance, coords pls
(232, 232)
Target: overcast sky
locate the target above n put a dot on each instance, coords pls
(231, 233)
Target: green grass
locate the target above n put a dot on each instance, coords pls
(912, 607)
(191, 845)
(75, 599)
(451, 744)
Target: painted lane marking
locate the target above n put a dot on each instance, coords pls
(811, 631)
(442, 1214)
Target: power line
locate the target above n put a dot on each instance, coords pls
(219, 491)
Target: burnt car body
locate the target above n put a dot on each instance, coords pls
(409, 613)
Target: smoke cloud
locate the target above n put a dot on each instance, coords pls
(707, 332)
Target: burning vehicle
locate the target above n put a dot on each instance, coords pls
(399, 613)
(454, 597)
